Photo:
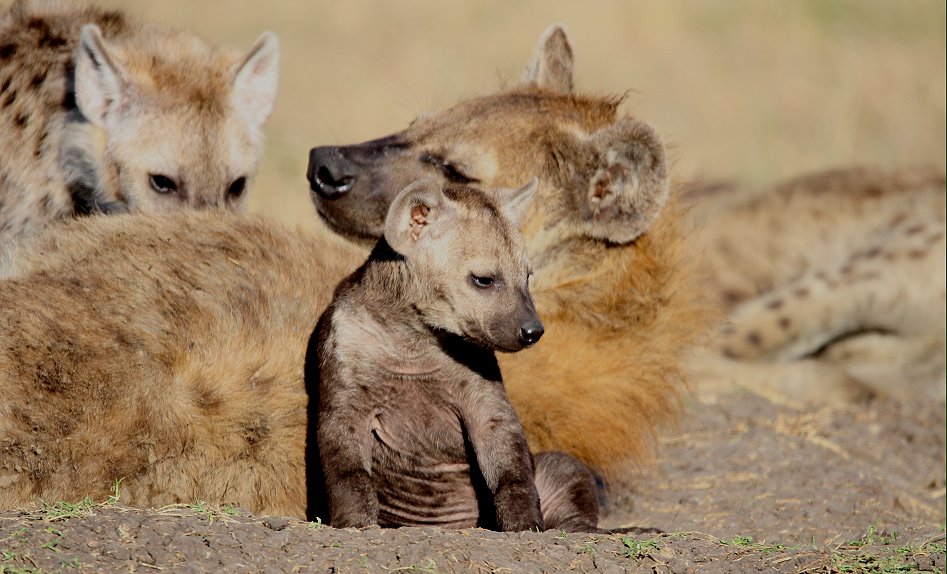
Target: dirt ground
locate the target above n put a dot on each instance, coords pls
(746, 484)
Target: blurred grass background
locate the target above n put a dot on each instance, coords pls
(749, 90)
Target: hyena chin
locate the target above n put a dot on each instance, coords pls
(103, 114)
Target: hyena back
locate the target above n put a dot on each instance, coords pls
(99, 113)
(165, 351)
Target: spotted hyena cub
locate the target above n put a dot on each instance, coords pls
(99, 113)
(414, 425)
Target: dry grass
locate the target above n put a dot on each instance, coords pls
(744, 89)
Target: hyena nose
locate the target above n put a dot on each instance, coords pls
(530, 333)
(329, 173)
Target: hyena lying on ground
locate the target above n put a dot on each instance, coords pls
(414, 425)
(834, 284)
(169, 351)
(101, 114)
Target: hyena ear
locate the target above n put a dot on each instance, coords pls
(551, 67)
(418, 211)
(630, 183)
(515, 203)
(255, 80)
(101, 83)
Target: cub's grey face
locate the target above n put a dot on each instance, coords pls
(468, 264)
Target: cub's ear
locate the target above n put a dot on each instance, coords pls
(255, 80)
(515, 203)
(551, 67)
(101, 82)
(417, 212)
(630, 183)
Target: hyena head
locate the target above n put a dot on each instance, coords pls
(167, 122)
(466, 262)
(601, 176)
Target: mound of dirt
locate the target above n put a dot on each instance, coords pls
(746, 484)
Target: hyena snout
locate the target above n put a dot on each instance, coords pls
(530, 332)
(330, 174)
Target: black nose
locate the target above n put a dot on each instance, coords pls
(329, 173)
(530, 333)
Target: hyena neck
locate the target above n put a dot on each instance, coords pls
(92, 181)
(389, 289)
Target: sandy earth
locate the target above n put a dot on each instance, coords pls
(745, 484)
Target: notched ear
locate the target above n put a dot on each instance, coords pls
(515, 203)
(256, 78)
(551, 67)
(630, 183)
(101, 83)
(413, 212)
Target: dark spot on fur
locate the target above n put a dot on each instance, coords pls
(5, 86)
(111, 21)
(754, 339)
(935, 238)
(208, 400)
(801, 292)
(7, 51)
(37, 81)
(873, 252)
(20, 119)
(774, 304)
(38, 152)
(11, 97)
(916, 253)
(891, 256)
(915, 229)
(847, 269)
(51, 41)
(256, 431)
(730, 353)
(731, 296)
(784, 323)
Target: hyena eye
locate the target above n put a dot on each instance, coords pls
(447, 169)
(237, 188)
(163, 184)
(482, 281)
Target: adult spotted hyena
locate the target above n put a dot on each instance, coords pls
(170, 351)
(99, 113)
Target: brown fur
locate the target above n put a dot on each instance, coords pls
(163, 315)
(840, 274)
(94, 103)
(612, 279)
(414, 426)
(179, 370)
